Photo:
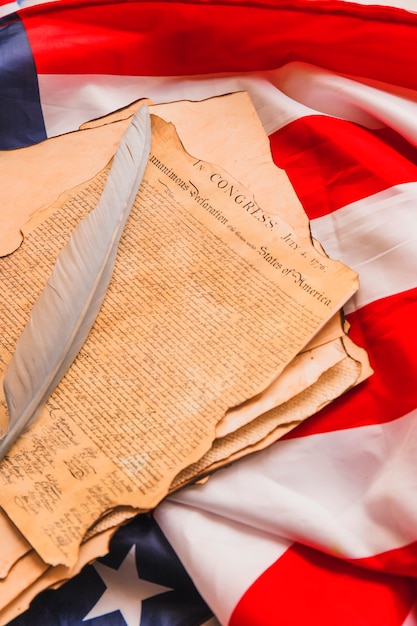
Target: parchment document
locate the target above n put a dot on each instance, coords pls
(211, 298)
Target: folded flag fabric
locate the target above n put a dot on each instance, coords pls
(321, 527)
(140, 581)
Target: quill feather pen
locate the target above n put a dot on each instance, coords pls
(68, 306)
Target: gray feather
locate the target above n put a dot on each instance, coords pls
(65, 311)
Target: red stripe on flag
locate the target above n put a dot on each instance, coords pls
(399, 561)
(386, 329)
(332, 163)
(180, 38)
(400, 145)
(308, 587)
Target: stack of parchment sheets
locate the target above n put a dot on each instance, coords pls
(221, 329)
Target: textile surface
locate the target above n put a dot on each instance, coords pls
(321, 527)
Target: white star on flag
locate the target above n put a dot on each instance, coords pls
(123, 585)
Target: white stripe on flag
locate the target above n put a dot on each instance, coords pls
(280, 96)
(216, 551)
(70, 100)
(346, 492)
(407, 5)
(348, 99)
(6, 9)
(377, 237)
(12, 7)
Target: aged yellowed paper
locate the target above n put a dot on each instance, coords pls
(212, 297)
(335, 372)
(14, 545)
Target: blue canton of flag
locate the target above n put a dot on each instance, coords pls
(141, 582)
(21, 120)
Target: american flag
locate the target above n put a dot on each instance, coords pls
(320, 528)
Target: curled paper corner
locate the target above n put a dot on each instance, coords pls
(303, 372)
(360, 355)
(10, 241)
(123, 114)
